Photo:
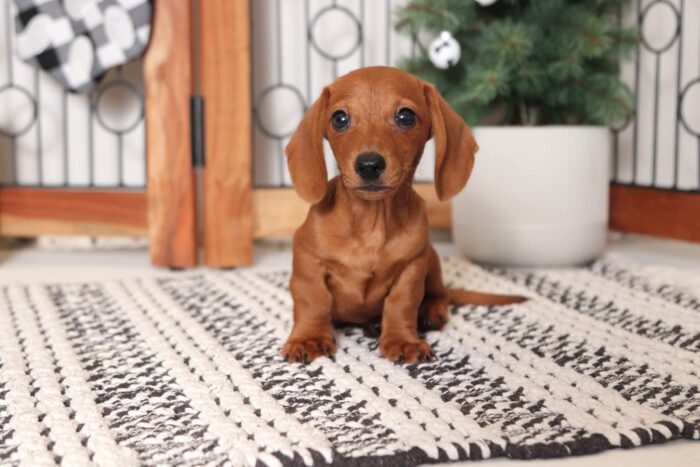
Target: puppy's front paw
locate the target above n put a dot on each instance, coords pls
(307, 349)
(409, 351)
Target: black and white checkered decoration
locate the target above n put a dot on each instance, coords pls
(77, 41)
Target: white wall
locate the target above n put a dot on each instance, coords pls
(659, 28)
(336, 33)
(46, 160)
(282, 110)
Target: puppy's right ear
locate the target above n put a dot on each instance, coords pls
(305, 152)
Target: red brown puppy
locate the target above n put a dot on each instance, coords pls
(362, 256)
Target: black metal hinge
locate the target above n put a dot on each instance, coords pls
(197, 122)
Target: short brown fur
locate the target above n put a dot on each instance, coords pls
(363, 257)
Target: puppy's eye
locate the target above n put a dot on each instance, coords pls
(340, 120)
(405, 118)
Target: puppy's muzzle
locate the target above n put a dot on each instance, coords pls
(369, 166)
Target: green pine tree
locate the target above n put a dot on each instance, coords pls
(528, 62)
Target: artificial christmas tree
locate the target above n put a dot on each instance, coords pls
(546, 72)
(528, 62)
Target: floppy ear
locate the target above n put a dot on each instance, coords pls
(305, 153)
(455, 145)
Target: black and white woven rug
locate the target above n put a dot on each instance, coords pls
(186, 370)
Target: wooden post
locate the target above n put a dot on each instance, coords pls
(226, 88)
(168, 88)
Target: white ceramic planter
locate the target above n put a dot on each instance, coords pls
(538, 196)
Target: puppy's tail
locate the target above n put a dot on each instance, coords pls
(470, 297)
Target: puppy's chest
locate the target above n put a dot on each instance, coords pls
(360, 276)
(366, 257)
(358, 295)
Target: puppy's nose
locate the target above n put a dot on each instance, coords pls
(370, 165)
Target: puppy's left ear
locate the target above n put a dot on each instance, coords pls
(305, 153)
(455, 145)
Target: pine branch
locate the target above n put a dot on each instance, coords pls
(529, 61)
(433, 15)
(506, 41)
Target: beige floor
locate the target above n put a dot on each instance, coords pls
(36, 265)
(31, 264)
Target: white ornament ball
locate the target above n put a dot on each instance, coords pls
(444, 51)
(485, 2)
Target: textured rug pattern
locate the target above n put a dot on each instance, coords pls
(186, 370)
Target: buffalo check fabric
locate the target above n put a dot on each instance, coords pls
(78, 41)
(186, 370)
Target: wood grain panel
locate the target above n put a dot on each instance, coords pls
(656, 212)
(439, 212)
(226, 87)
(31, 212)
(168, 88)
(278, 212)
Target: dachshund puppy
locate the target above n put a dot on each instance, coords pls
(362, 256)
